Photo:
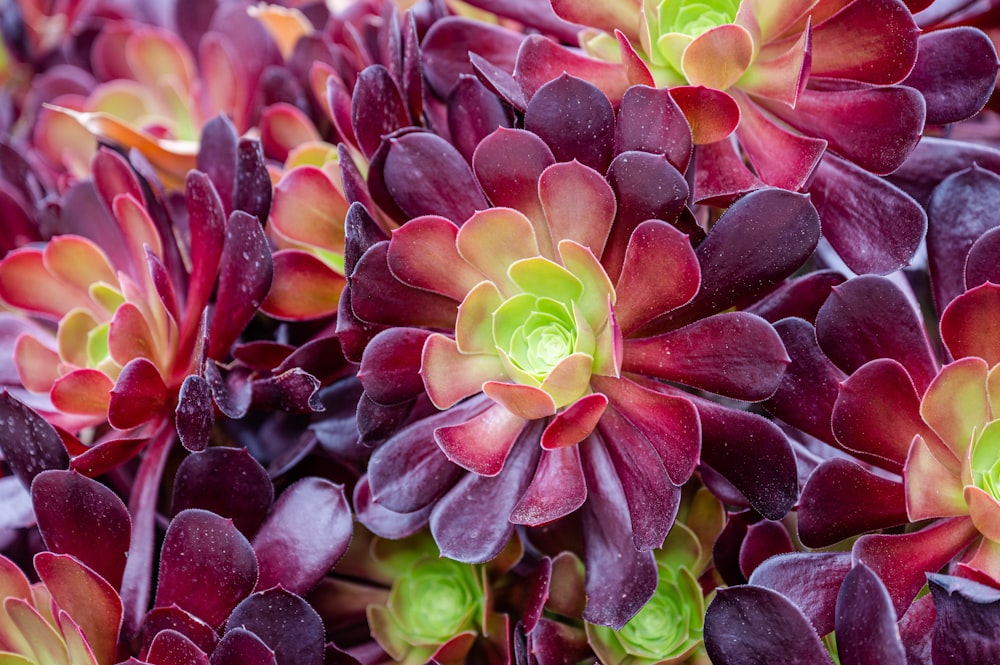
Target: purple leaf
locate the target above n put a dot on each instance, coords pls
(106, 455)
(172, 648)
(383, 522)
(377, 108)
(935, 159)
(217, 157)
(956, 70)
(30, 444)
(575, 119)
(245, 273)
(285, 623)
(177, 620)
(139, 394)
(245, 497)
(253, 182)
(866, 622)
(809, 580)
(749, 625)
(390, 366)
(195, 413)
(800, 297)
(473, 113)
(763, 540)
(557, 488)
(81, 517)
(306, 533)
(508, 164)
(241, 647)
(446, 47)
(204, 551)
(981, 266)
(649, 120)
(207, 225)
(293, 391)
(967, 616)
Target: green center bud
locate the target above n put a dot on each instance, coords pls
(535, 333)
(986, 460)
(435, 600)
(669, 625)
(694, 17)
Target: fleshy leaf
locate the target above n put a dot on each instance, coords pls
(810, 581)
(283, 621)
(30, 444)
(245, 497)
(970, 325)
(866, 623)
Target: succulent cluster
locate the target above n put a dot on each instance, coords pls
(532, 332)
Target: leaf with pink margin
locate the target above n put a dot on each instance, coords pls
(494, 239)
(866, 623)
(620, 578)
(524, 401)
(745, 623)
(652, 498)
(712, 114)
(660, 273)
(305, 534)
(480, 534)
(956, 404)
(984, 511)
(809, 580)
(867, 318)
(283, 621)
(172, 648)
(499, 81)
(718, 57)
(383, 522)
(76, 642)
(202, 550)
(450, 375)
(903, 560)
(955, 71)
(26, 283)
(88, 598)
(932, 489)
(78, 262)
(850, 119)
(130, 336)
(855, 45)
(603, 15)
(30, 444)
(85, 392)
(981, 267)
(669, 422)
(426, 175)
(138, 396)
(36, 365)
(483, 443)
(304, 287)
(447, 45)
(970, 324)
(579, 205)
(241, 647)
(752, 454)
(253, 181)
(842, 499)
(735, 354)
(377, 108)
(541, 60)
(557, 488)
(113, 175)
(649, 120)
(878, 412)
(422, 254)
(575, 119)
(782, 76)
(574, 423)
(721, 176)
(107, 455)
(175, 619)
(966, 612)
(308, 209)
(81, 517)
(779, 157)
(636, 69)
(245, 272)
(245, 497)
(41, 638)
(473, 113)
(284, 127)
(194, 415)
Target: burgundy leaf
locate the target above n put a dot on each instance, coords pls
(935, 159)
(557, 488)
(307, 531)
(253, 182)
(866, 622)
(867, 318)
(965, 627)
(446, 47)
(841, 499)
(30, 444)
(195, 413)
(749, 625)
(961, 210)
(499, 81)
(241, 647)
(285, 623)
(360, 233)
(649, 120)
(114, 176)
(800, 297)
(245, 273)
(245, 497)
(177, 620)
(473, 113)
(172, 648)
(735, 354)
(575, 119)
(81, 517)
(763, 540)
(107, 455)
(752, 454)
(377, 108)
(383, 522)
(390, 366)
(217, 157)
(478, 534)
(541, 61)
(204, 551)
(809, 580)
(207, 226)
(508, 164)
(956, 70)
(539, 15)
(981, 266)
(232, 393)
(294, 391)
(138, 395)
(620, 579)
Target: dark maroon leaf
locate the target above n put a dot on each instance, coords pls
(470, 522)
(30, 444)
(446, 47)
(867, 318)
(294, 391)
(473, 113)
(177, 620)
(982, 265)
(307, 531)
(245, 273)
(935, 159)
(245, 496)
(575, 119)
(499, 81)
(955, 71)
(866, 622)
(842, 499)
(967, 616)
(195, 413)
(538, 15)
(508, 164)
(204, 551)
(217, 157)
(106, 455)
(355, 188)
(763, 540)
(915, 630)
(801, 297)
(962, 208)
(412, 75)
(360, 233)
(752, 454)
(426, 175)
(747, 625)
(139, 394)
(207, 226)
(383, 522)
(649, 120)
(809, 580)
(874, 226)
(253, 182)
(735, 354)
(81, 517)
(620, 578)
(114, 176)
(241, 647)
(377, 108)
(390, 366)
(285, 623)
(172, 648)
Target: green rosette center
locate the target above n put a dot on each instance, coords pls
(694, 17)
(435, 600)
